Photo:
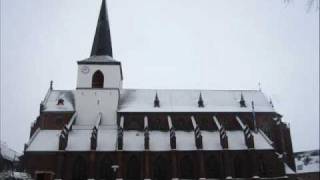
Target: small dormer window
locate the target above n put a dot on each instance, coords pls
(60, 101)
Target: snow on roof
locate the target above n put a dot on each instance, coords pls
(8, 153)
(51, 101)
(159, 141)
(211, 140)
(288, 169)
(79, 140)
(237, 142)
(185, 140)
(99, 59)
(133, 140)
(107, 139)
(141, 100)
(45, 140)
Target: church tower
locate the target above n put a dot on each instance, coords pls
(100, 70)
(99, 77)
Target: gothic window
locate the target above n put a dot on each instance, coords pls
(97, 79)
(262, 167)
(79, 171)
(133, 168)
(106, 171)
(160, 171)
(212, 167)
(186, 168)
(239, 167)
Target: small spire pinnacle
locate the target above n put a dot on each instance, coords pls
(271, 103)
(156, 102)
(242, 101)
(102, 39)
(200, 101)
(51, 85)
(259, 86)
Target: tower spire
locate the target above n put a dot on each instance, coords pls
(102, 39)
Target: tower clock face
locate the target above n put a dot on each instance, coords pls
(85, 69)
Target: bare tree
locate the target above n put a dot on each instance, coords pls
(310, 4)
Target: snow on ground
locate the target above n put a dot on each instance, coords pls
(307, 161)
(8, 153)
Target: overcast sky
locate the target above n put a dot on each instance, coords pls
(192, 44)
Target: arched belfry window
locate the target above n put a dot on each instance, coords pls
(97, 79)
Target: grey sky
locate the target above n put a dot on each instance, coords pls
(193, 44)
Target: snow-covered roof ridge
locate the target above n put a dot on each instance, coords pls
(51, 101)
(186, 100)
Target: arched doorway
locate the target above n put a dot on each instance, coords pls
(212, 167)
(105, 169)
(186, 168)
(79, 171)
(97, 79)
(133, 168)
(160, 169)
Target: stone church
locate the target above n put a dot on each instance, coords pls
(101, 130)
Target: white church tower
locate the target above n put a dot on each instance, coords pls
(99, 79)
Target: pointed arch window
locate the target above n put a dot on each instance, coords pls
(97, 79)
(133, 168)
(212, 167)
(239, 167)
(186, 168)
(160, 169)
(79, 171)
(105, 171)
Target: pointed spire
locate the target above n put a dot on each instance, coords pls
(102, 39)
(51, 85)
(200, 101)
(242, 101)
(271, 103)
(156, 102)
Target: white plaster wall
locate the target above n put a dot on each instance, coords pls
(89, 102)
(111, 73)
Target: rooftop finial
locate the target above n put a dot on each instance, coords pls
(102, 39)
(271, 103)
(242, 101)
(156, 102)
(200, 101)
(259, 86)
(51, 85)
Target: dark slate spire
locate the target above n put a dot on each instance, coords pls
(156, 102)
(102, 40)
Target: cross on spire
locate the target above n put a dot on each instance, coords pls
(102, 39)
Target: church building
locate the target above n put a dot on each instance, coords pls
(101, 130)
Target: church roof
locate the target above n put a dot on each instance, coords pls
(105, 59)
(79, 140)
(50, 102)
(102, 39)
(141, 100)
